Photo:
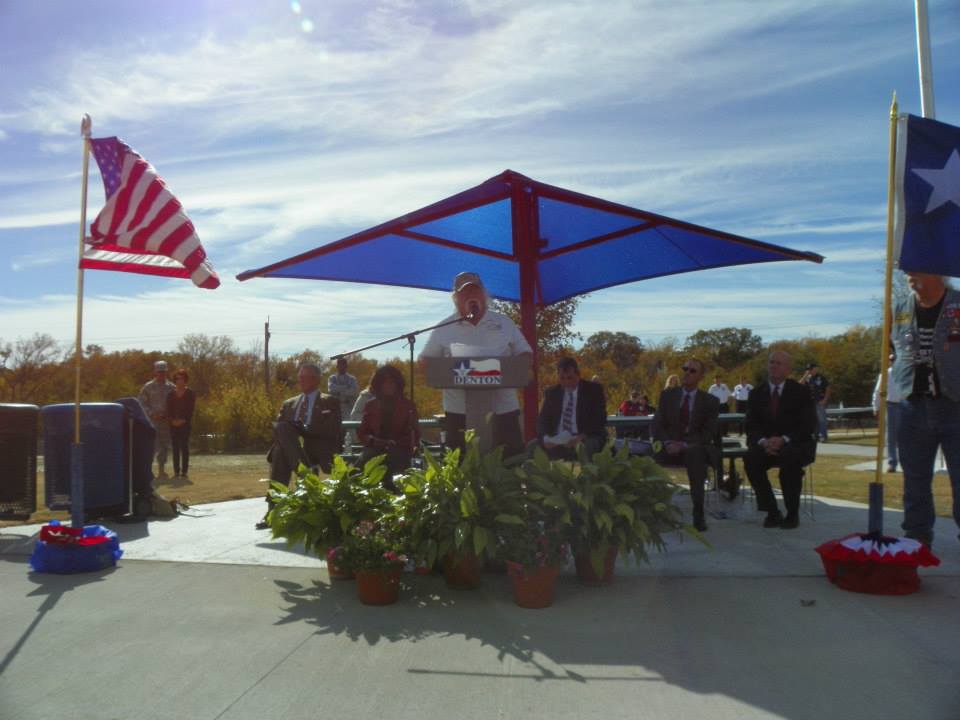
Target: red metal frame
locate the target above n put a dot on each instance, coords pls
(524, 195)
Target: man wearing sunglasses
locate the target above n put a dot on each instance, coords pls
(686, 425)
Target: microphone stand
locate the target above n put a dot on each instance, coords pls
(411, 338)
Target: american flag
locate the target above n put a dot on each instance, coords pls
(142, 228)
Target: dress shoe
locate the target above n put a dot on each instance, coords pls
(773, 519)
(789, 522)
(263, 525)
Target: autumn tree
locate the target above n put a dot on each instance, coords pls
(29, 370)
(554, 323)
(724, 347)
(620, 348)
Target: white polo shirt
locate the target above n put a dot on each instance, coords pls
(721, 392)
(494, 335)
(742, 391)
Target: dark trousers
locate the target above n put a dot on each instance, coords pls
(696, 459)
(180, 439)
(791, 460)
(287, 452)
(592, 443)
(506, 431)
(398, 460)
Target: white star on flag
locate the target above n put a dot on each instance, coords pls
(945, 182)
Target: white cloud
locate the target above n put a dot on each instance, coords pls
(411, 80)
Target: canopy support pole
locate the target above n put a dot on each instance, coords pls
(525, 234)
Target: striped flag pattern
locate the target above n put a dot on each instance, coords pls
(142, 228)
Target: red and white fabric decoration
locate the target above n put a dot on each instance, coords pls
(875, 564)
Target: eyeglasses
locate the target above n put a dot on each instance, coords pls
(690, 368)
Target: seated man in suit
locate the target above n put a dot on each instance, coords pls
(307, 430)
(781, 420)
(686, 425)
(574, 411)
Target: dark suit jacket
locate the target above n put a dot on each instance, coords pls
(796, 415)
(591, 411)
(703, 418)
(322, 432)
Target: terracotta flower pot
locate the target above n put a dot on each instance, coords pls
(585, 572)
(462, 572)
(533, 588)
(335, 570)
(378, 587)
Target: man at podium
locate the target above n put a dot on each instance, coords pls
(480, 332)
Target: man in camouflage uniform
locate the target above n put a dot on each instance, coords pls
(153, 398)
(343, 387)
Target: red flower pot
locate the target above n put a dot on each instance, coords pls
(378, 587)
(462, 572)
(533, 588)
(335, 570)
(585, 572)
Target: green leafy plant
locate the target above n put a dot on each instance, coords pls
(372, 546)
(606, 500)
(533, 545)
(320, 512)
(457, 507)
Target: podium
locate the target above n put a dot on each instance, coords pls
(477, 376)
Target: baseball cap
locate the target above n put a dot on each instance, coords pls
(160, 366)
(464, 279)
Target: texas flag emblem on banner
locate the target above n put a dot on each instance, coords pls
(928, 196)
(477, 372)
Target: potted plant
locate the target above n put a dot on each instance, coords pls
(451, 510)
(608, 504)
(321, 511)
(374, 551)
(534, 554)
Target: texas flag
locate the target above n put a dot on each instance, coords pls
(928, 196)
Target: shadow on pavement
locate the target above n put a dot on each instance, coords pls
(53, 587)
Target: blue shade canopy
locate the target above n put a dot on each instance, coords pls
(528, 241)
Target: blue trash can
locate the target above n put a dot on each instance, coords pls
(18, 460)
(102, 427)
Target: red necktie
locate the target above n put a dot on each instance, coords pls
(775, 400)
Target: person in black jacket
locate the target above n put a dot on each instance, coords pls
(574, 411)
(686, 427)
(781, 422)
(180, 404)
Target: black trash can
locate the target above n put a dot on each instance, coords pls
(18, 461)
(139, 438)
(102, 427)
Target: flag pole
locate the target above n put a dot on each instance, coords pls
(924, 60)
(77, 510)
(876, 487)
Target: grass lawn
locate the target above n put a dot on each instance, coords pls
(215, 478)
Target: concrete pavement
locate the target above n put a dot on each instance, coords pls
(207, 618)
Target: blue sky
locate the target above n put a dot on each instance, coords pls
(282, 126)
